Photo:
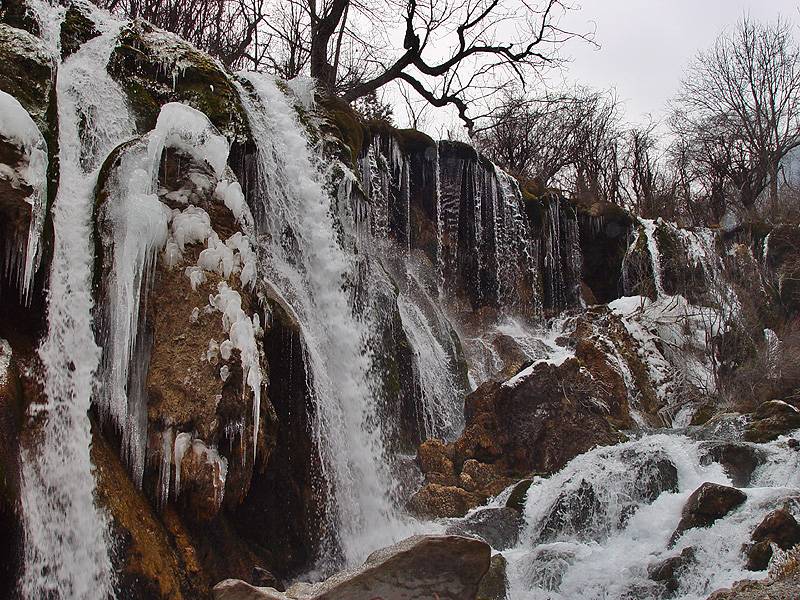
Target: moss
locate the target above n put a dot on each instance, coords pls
(608, 210)
(343, 122)
(76, 29)
(703, 414)
(154, 67)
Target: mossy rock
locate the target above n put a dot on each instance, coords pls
(18, 14)
(27, 73)
(607, 210)
(155, 67)
(341, 121)
(76, 29)
(638, 268)
(410, 141)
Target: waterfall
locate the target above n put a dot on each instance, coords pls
(592, 530)
(66, 550)
(309, 263)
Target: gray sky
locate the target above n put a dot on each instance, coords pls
(646, 44)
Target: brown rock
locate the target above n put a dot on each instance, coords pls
(778, 527)
(420, 567)
(435, 500)
(708, 503)
(739, 460)
(494, 585)
(771, 420)
(434, 457)
(668, 571)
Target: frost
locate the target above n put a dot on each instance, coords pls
(17, 126)
(224, 372)
(5, 362)
(195, 316)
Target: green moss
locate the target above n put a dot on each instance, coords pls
(343, 122)
(154, 67)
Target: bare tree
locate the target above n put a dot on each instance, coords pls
(454, 52)
(741, 104)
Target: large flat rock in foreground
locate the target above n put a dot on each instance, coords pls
(447, 567)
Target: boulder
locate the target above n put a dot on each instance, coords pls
(419, 567)
(435, 500)
(535, 422)
(519, 495)
(494, 585)
(707, 503)
(572, 512)
(738, 459)
(780, 528)
(668, 571)
(655, 475)
(236, 589)
(498, 527)
(771, 420)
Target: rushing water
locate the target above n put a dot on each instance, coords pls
(614, 523)
(66, 546)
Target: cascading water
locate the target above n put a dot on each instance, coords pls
(592, 530)
(66, 550)
(308, 265)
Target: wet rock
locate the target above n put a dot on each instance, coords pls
(435, 500)
(548, 567)
(481, 477)
(572, 512)
(738, 459)
(494, 585)
(669, 570)
(707, 503)
(780, 528)
(498, 527)
(656, 475)
(76, 29)
(771, 420)
(519, 494)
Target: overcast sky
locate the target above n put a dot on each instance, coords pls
(646, 44)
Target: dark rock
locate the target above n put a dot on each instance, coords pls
(263, 578)
(498, 527)
(668, 571)
(780, 528)
(76, 29)
(707, 503)
(655, 475)
(572, 512)
(738, 459)
(771, 420)
(793, 443)
(519, 495)
(435, 500)
(494, 585)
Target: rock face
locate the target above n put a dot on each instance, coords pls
(780, 528)
(771, 420)
(498, 527)
(738, 459)
(420, 567)
(707, 503)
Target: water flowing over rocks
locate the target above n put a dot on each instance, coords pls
(247, 338)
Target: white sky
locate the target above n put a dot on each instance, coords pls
(646, 44)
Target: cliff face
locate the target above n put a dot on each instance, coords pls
(283, 300)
